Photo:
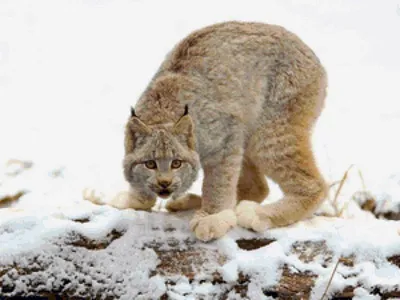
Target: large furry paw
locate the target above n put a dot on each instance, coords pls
(207, 227)
(187, 202)
(248, 216)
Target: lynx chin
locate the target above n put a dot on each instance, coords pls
(238, 100)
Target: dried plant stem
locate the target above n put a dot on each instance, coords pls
(330, 280)
(362, 180)
(334, 184)
(342, 181)
(344, 208)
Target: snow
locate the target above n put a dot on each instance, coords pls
(69, 71)
(362, 294)
(29, 236)
(229, 271)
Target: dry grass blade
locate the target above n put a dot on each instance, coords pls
(331, 186)
(364, 189)
(334, 184)
(330, 280)
(362, 180)
(342, 181)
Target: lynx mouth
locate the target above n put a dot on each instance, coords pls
(164, 193)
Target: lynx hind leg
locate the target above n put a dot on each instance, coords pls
(252, 183)
(296, 173)
(282, 148)
(187, 202)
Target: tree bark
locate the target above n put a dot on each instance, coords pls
(174, 262)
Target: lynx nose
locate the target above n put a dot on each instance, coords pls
(164, 183)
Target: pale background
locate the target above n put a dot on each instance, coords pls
(69, 71)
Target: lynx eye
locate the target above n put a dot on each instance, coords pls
(150, 164)
(176, 164)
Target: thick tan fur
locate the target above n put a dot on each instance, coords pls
(254, 92)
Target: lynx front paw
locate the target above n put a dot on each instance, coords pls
(207, 227)
(187, 202)
(248, 216)
(93, 196)
(125, 200)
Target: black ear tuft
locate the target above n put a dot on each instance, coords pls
(133, 114)
(186, 110)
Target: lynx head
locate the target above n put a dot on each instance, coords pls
(160, 159)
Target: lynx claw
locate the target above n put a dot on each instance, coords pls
(249, 217)
(207, 227)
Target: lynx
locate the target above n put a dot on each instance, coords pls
(238, 100)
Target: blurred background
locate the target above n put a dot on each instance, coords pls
(70, 70)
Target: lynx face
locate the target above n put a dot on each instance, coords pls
(160, 159)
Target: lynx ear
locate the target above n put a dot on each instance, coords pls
(133, 114)
(184, 129)
(134, 127)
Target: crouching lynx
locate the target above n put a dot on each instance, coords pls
(239, 100)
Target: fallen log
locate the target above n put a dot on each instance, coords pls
(175, 262)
